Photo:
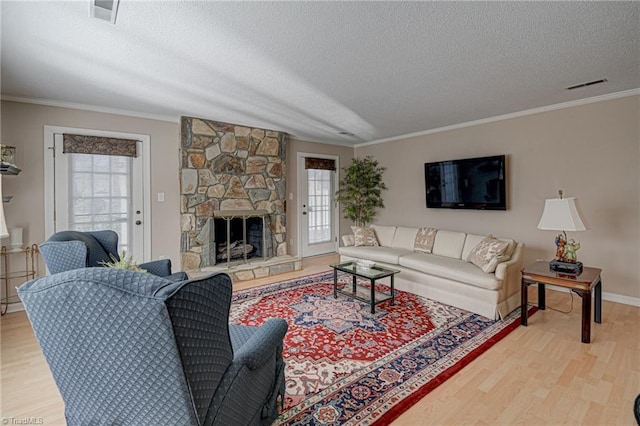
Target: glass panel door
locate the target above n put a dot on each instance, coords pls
(100, 195)
(317, 210)
(97, 192)
(320, 183)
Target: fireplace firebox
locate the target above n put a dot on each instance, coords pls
(240, 235)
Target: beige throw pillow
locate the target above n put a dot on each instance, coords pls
(424, 240)
(364, 236)
(488, 253)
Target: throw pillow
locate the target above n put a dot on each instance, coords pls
(488, 253)
(364, 236)
(424, 240)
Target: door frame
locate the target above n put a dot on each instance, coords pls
(301, 178)
(49, 173)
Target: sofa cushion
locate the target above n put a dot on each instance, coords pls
(384, 234)
(424, 240)
(453, 269)
(364, 236)
(449, 244)
(488, 253)
(377, 254)
(405, 238)
(348, 240)
(470, 242)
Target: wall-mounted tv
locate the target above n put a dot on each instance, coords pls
(470, 183)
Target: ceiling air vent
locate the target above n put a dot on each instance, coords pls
(104, 9)
(590, 83)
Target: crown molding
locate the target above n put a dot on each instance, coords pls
(578, 102)
(127, 113)
(93, 108)
(172, 119)
(345, 144)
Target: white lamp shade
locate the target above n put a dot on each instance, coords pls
(562, 214)
(3, 223)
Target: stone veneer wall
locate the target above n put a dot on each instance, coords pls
(228, 167)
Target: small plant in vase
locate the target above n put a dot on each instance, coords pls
(123, 263)
(361, 189)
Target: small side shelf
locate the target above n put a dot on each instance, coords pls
(9, 169)
(28, 273)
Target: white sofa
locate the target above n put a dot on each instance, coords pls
(445, 275)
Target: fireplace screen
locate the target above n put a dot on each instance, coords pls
(240, 235)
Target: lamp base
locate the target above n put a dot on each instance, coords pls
(565, 267)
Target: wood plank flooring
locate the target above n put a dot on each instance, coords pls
(538, 375)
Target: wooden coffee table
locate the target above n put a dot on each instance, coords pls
(582, 284)
(364, 294)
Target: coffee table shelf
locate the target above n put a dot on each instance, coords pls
(357, 290)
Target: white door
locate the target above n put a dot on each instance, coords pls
(318, 213)
(97, 192)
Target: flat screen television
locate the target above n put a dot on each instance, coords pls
(470, 183)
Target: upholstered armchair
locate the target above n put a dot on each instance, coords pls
(131, 348)
(68, 250)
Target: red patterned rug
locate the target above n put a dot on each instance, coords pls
(348, 366)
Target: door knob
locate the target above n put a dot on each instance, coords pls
(138, 222)
(304, 212)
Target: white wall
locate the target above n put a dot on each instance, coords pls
(592, 152)
(294, 146)
(23, 127)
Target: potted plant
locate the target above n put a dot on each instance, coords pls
(361, 189)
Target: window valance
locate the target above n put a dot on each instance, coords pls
(319, 163)
(83, 144)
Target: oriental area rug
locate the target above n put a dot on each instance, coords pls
(346, 366)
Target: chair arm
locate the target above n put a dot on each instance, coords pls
(264, 342)
(160, 268)
(177, 276)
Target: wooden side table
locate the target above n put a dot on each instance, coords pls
(583, 284)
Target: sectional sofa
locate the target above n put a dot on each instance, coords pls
(445, 274)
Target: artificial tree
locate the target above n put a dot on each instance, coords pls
(361, 189)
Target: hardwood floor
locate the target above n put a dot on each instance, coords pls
(539, 375)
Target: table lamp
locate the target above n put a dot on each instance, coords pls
(563, 214)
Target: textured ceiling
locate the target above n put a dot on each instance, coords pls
(314, 69)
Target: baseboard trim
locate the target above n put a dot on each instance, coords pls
(15, 307)
(610, 297)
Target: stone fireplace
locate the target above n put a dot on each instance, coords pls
(232, 182)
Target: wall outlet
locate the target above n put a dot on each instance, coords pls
(162, 257)
(291, 195)
(161, 197)
(291, 242)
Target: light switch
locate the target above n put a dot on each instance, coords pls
(291, 195)
(161, 197)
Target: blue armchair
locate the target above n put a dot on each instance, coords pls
(68, 250)
(132, 348)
